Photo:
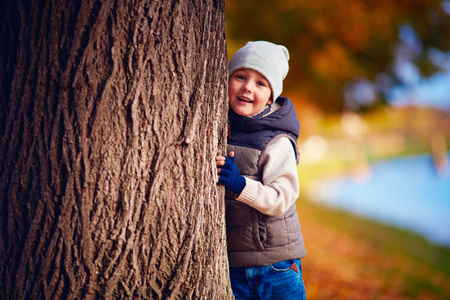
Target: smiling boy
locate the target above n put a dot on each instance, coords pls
(248, 92)
(264, 238)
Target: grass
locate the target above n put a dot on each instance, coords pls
(351, 257)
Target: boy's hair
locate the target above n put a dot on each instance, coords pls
(269, 59)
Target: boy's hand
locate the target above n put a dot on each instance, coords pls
(229, 174)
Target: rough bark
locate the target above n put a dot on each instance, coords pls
(111, 115)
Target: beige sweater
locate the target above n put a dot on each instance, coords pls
(280, 186)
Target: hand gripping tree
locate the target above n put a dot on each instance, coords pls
(111, 114)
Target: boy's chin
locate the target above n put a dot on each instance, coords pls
(246, 113)
(240, 112)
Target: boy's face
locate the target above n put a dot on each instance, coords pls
(248, 92)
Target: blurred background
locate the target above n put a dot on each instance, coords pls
(370, 81)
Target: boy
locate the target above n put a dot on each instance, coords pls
(264, 239)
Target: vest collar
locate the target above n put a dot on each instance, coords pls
(278, 116)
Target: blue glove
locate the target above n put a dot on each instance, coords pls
(230, 176)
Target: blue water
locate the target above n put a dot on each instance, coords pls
(406, 192)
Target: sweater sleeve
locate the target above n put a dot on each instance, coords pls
(279, 188)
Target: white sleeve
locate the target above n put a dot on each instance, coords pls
(280, 187)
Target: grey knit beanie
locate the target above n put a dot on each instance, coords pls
(269, 59)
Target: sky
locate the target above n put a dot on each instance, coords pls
(433, 91)
(413, 87)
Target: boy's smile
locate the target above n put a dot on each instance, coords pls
(249, 92)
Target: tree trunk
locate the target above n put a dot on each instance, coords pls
(111, 115)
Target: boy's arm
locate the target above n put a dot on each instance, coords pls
(280, 187)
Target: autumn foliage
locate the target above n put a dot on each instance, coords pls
(333, 43)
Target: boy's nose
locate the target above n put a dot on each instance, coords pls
(246, 88)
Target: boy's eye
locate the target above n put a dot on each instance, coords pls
(260, 83)
(241, 77)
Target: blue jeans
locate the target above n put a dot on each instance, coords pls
(282, 280)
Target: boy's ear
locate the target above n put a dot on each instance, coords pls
(270, 101)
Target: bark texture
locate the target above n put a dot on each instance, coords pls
(111, 115)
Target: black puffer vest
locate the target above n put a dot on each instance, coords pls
(253, 238)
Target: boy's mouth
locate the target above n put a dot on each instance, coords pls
(243, 99)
